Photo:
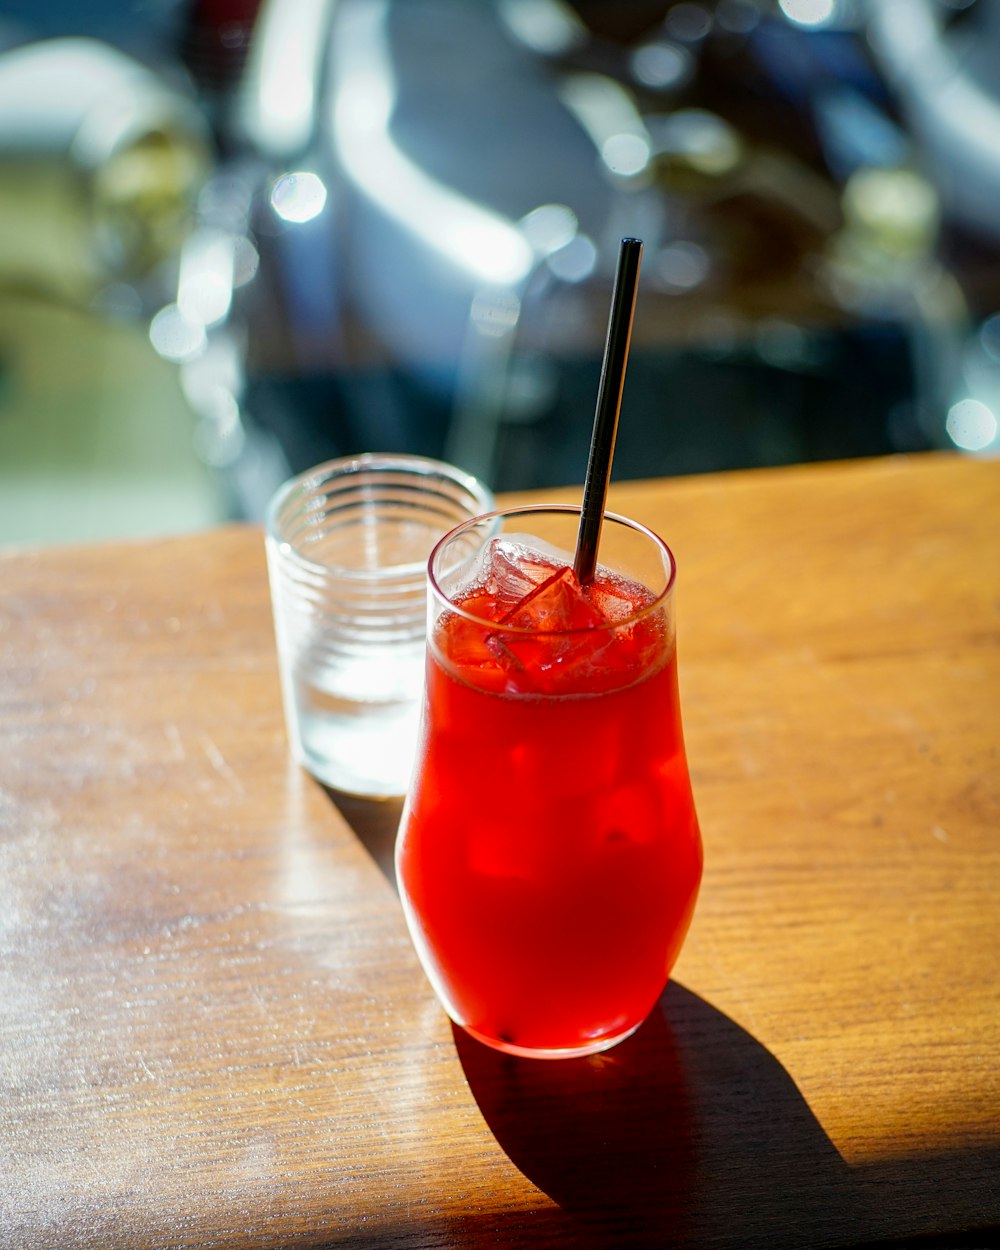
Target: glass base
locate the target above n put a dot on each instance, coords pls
(348, 783)
(569, 1052)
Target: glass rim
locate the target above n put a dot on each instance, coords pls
(345, 467)
(499, 514)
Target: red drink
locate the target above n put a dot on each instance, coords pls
(549, 855)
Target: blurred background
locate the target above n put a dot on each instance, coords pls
(239, 237)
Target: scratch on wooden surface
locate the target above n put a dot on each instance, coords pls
(173, 735)
(263, 1007)
(218, 762)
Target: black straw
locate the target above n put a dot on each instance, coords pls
(609, 402)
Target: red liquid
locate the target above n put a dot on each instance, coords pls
(549, 857)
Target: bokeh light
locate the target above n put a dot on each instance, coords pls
(175, 336)
(661, 65)
(299, 196)
(682, 265)
(576, 261)
(809, 12)
(971, 425)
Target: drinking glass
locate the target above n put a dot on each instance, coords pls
(347, 548)
(549, 855)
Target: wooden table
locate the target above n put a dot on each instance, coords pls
(213, 1030)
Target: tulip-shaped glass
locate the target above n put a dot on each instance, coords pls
(549, 855)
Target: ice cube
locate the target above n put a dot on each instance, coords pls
(465, 643)
(516, 564)
(615, 597)
(557, 603)
(565, 635)
(533, 550)
(562, 638)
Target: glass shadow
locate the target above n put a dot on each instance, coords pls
(690, 1133)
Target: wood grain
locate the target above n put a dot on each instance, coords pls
(213, 1031)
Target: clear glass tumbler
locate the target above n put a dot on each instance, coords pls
(347, 547)
(549, 854)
